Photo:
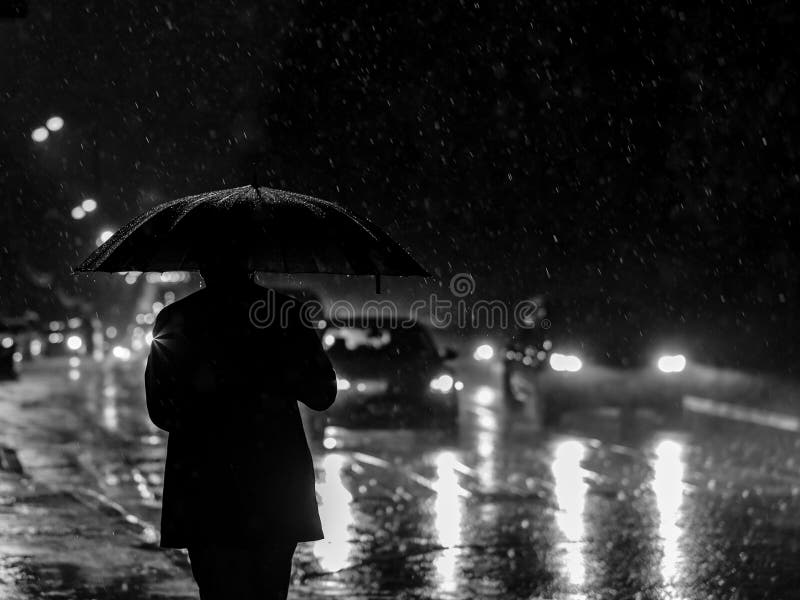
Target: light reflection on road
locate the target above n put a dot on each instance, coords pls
(668, 487)
(109, 400)
(570, 490)
(336, 513)
(448, 511)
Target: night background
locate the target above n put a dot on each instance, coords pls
(632, 165)
(636, 151)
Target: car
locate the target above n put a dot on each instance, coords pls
(9, 356)
(388, 376)
(565, 335)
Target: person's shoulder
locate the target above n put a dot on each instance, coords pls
(183, 306)
(279, 303)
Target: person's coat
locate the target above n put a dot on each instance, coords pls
(225, 384)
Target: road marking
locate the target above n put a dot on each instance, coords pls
(734, 412)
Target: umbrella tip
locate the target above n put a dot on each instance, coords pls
(255, 184)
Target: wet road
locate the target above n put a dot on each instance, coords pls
(655, 509)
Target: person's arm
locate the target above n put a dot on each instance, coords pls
(312, 376)
(162, 378)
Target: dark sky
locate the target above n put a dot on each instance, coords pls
(630, 149)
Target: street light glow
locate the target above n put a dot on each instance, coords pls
(89, 205)
(40, 134)
(55, 123)
(105, 235)
(78, 213)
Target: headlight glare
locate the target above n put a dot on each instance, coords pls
(483, 352)
(442, 384)
(565, 362)
(671, 363)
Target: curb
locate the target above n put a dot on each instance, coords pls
(734, 412)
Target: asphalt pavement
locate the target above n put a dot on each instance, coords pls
(657, 506)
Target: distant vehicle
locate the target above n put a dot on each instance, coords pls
(10, 358)
(566, 336)
(66, 338)
(388, 377)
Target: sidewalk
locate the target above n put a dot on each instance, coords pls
(67, 542)
(55, 543)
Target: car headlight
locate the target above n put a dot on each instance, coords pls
(442, 384)
(671, 363)
(565, 362)
(121, 352)
(342, 384)
(483, 352)
(74, 342)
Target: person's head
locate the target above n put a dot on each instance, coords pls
(223, 265)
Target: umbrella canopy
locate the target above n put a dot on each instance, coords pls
(260, 229)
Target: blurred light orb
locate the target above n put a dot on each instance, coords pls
(111, 332)
(483, 352)
(55, 123)
(78, 213)
(7, 342)
(89, 205)
(672, 363)
(342, 384)
(459, 385)
(74, 342)
(74, 362)
(40, 134)
(105, 235)
(36, 347)
(443, 383)
(121, 352)
(485, 395)
(329, 443)
(565, 362)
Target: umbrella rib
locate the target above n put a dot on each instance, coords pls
(315, 236)
(198, 202)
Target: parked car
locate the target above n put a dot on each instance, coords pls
(388, 377)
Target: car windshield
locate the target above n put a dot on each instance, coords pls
(374, 341)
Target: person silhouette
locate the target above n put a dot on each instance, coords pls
(239, 479)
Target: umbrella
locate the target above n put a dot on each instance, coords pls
(261, 229)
